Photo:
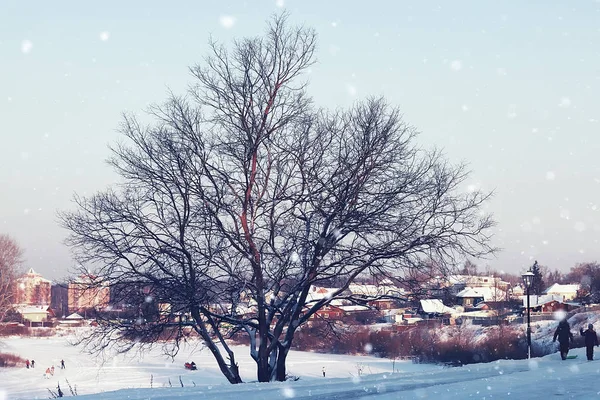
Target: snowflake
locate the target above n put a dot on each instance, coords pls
(351, 89)
(104, 36)
(227, 21)
(550, 175)
(565, 102)
(26, 46)
(280, 3)
(565, 214)
(456, 65)
(288, 392)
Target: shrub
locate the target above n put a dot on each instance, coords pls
(11, 360)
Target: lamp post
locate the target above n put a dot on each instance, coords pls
(528, 280)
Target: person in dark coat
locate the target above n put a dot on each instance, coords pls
(563, 332)
(591, 340)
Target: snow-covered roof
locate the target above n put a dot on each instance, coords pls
(353, 308)
(74, 316)
(536, 301)
(557, 288)
(317, 293)
(435, 306)
(32, 309)
(488, 293)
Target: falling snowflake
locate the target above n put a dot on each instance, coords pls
(149, 299)
(334, 24)
(26, 46)
(550, 175)
(351, 89)
(280, 3)
(368, 347)
(565, 214)
(288, 392)
(104, 36)
(456, 65)
(227, 21)
(512, 111)
(533, 364)
(465, 107)
(565, 102)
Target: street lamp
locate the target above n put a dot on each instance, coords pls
(528, 280)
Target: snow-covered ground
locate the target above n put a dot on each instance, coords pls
(90, 375)
(539, 378)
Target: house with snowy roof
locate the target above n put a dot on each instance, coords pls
(547, 303)
(568, 292)
(33, 314)
(434, 308)
(471, 296)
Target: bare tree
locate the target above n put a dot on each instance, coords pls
(11, 257)
(242, 196)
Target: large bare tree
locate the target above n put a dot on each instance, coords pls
(242, 195)
(11, 257)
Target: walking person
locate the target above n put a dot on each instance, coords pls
(52, 370)
(563, 332)
(27, 363)
(62, 364)
(323, 372)
(591, 340)
(47, 374)
(32, 363)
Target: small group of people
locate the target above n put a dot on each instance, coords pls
(49, 371)
(565, 337)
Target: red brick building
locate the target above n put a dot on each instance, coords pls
(32, 289)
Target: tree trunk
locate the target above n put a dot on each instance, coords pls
(281, 359)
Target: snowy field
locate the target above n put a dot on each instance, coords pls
(537, 379)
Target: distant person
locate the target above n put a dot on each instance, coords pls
(27, 363)
(52, 370)
(563, 332)
(62, 364)
(47, 374)
(323, 370)
(32, 363)
(591, 340)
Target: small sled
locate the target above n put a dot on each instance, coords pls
(190, 366)
(571, 357)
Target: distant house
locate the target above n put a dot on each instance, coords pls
(434, 308)
(34, 314)
(567, 292)
(32, 289)
(546, 303)
(86, 293)
(471, 296)
(329, 312)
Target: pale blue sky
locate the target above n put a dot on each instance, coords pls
(511, 87)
